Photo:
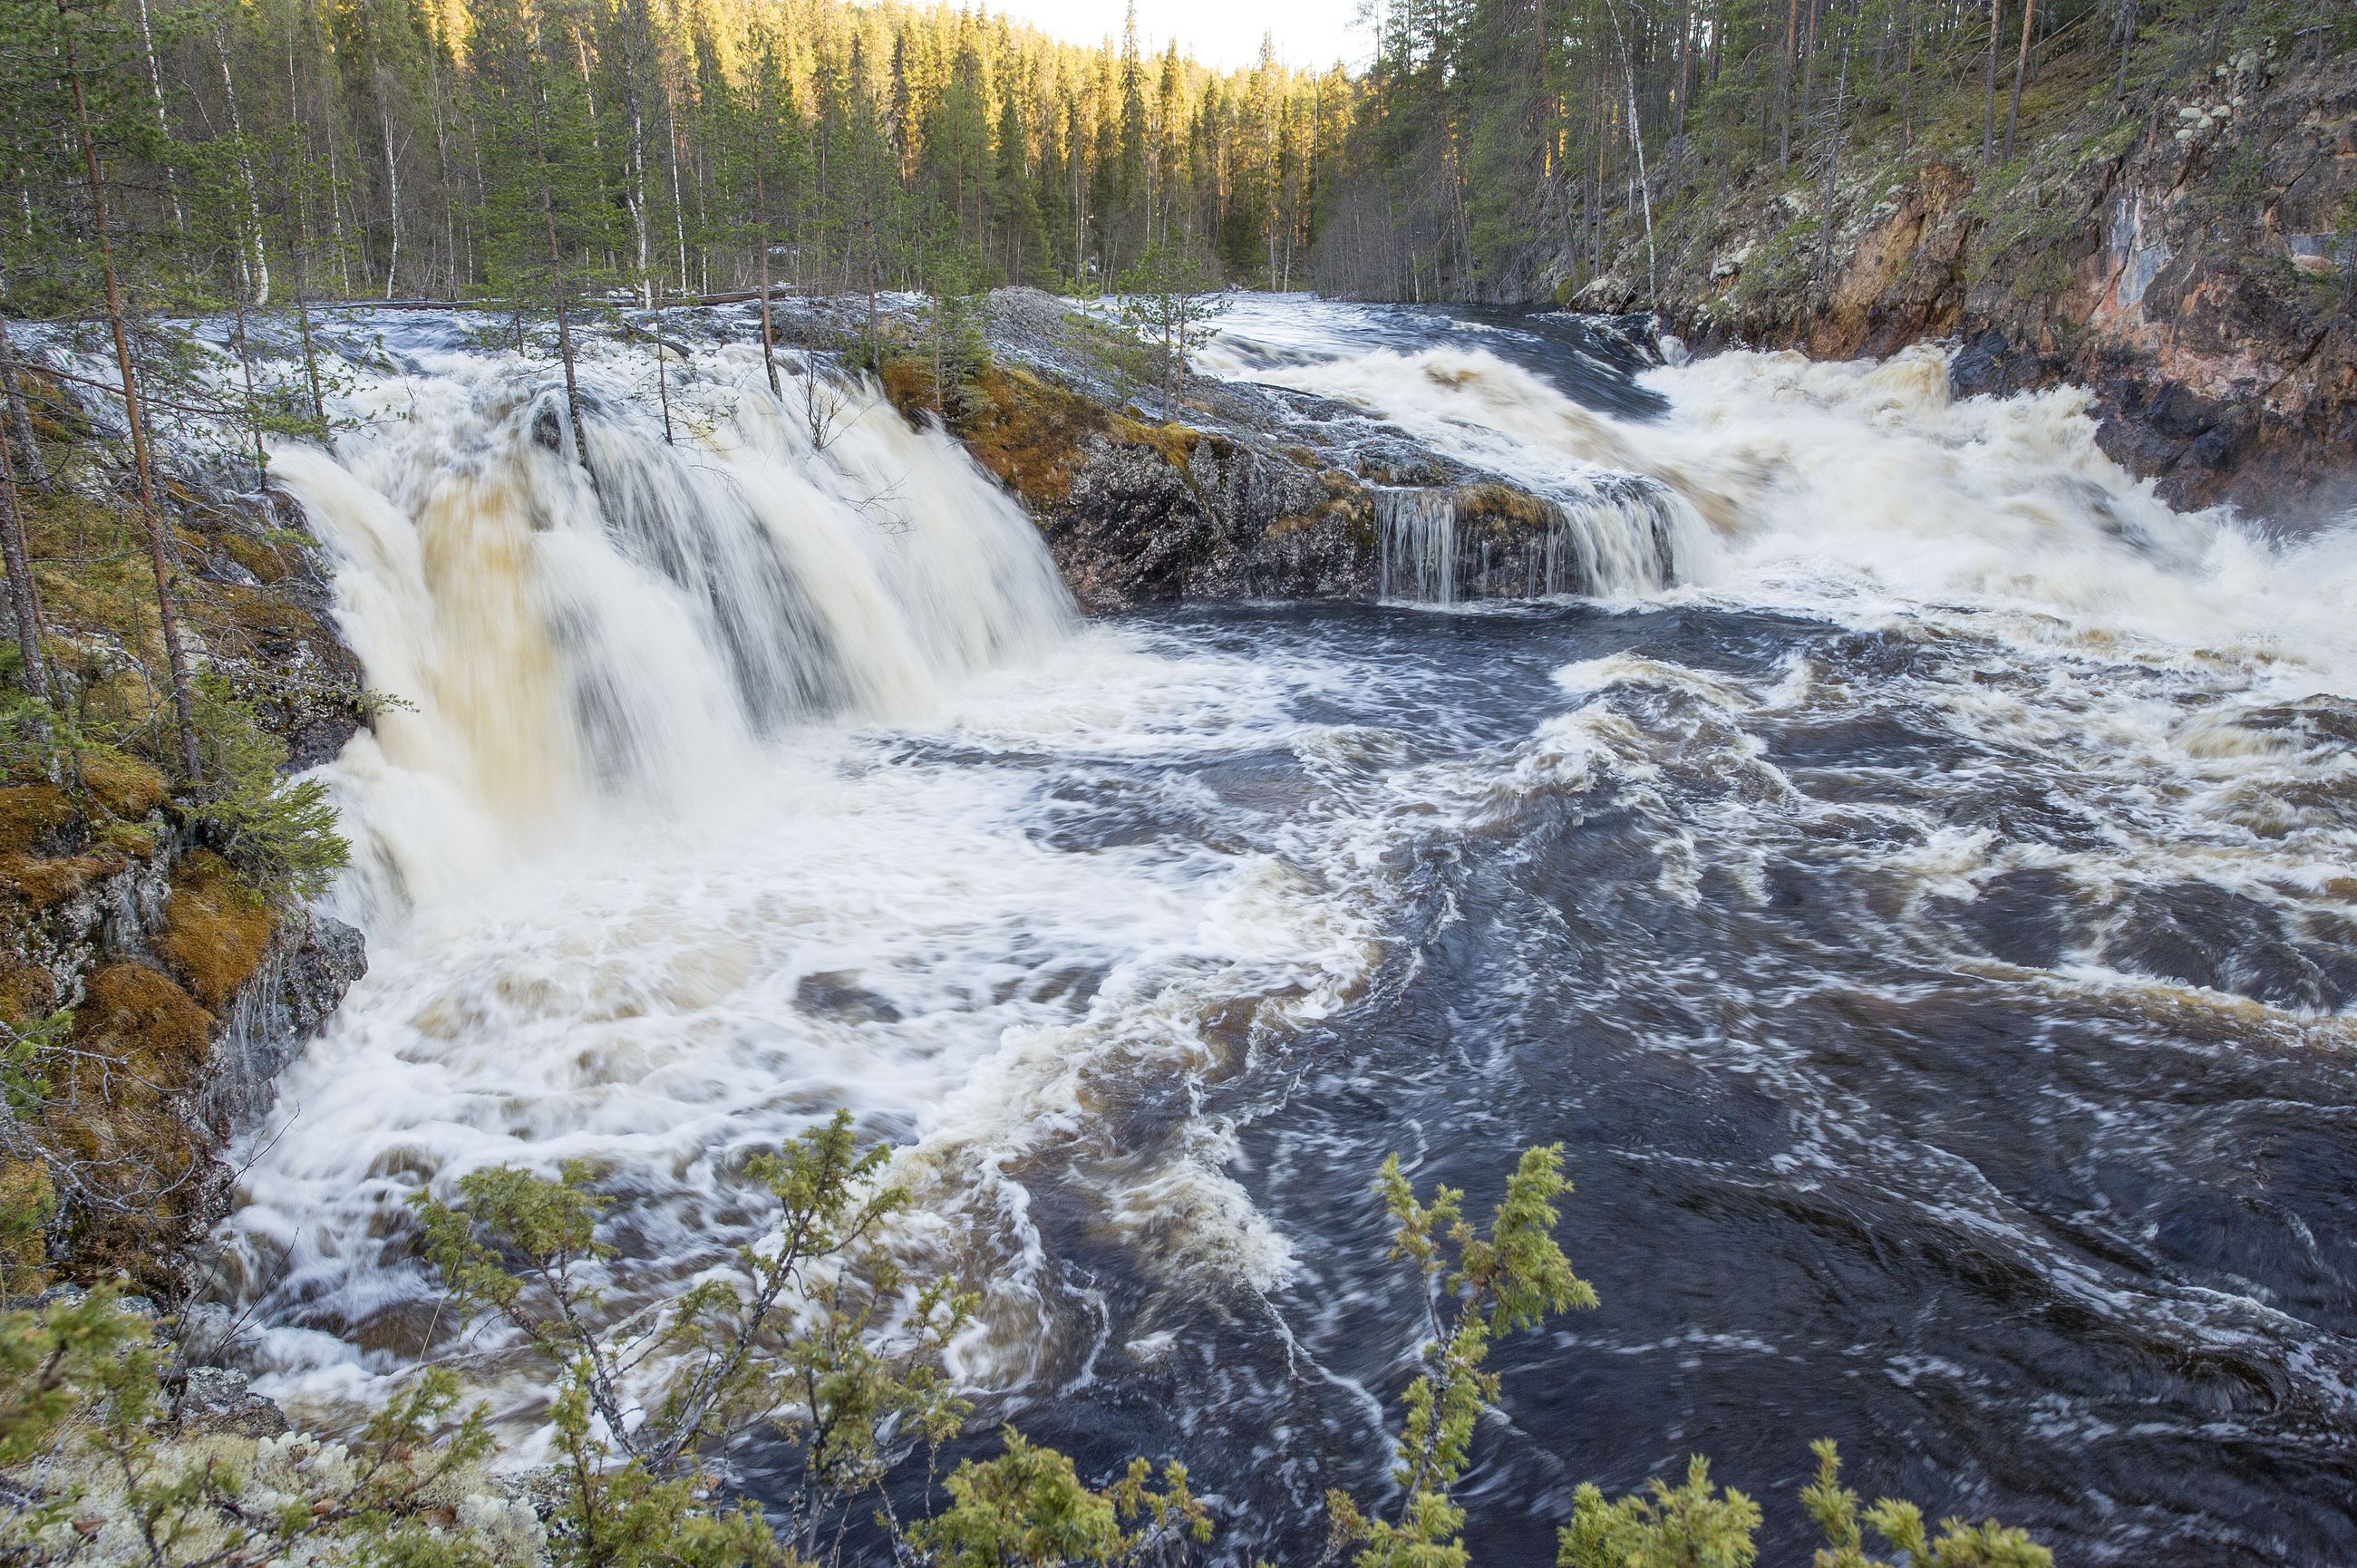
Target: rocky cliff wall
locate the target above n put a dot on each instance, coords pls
(2190, 259)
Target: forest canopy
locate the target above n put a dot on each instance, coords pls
(510, 150)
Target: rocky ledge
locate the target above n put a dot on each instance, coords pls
(151, 989)
(1235, 491)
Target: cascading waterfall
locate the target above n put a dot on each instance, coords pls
(709, 805)
(1615, 538)
(1417, 535)
(564, 643)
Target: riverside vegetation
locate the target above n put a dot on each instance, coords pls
(823, 1332)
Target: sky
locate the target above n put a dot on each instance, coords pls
(1220, 32)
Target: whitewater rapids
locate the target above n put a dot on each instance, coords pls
(1912, 884)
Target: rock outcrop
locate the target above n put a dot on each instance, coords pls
(150, 988)
(1238, 492)
(174, 999)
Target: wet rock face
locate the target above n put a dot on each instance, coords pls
(186, 1001)
(1227, 523)
(1247, 492)
(311, 963)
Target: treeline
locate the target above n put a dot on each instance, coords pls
(1504, 147)
(262, 151)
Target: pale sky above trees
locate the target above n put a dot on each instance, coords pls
(1223, 34)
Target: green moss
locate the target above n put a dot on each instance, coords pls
(121, 784)
(266, 560)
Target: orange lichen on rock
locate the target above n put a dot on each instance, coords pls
(45, 858)
(1174, 443)
(1500, 508)
(35, 820)
(216, 929)
(1030, 435)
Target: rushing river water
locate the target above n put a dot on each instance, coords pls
(1928, 921)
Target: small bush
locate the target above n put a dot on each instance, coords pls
(817, 1331)
(279, 834)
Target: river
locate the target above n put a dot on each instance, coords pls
(1917, 884)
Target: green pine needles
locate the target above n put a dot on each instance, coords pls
(824, 1333)
(1477, 1288)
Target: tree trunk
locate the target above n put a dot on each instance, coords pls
(1637, 141)
(252, 399)
(2020, 68)
(761, 243)
(392, 196)
(20, 417)
(678, 207)
(1785, 116)
(564, 329)
(255, 263)
(168, 614)
(22, 599)
(163, 126)
(1988, 108)
(1833, 170)
(2125, 31)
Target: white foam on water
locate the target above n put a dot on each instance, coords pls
(714, 802)
(1863, 488)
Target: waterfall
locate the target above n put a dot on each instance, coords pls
(727, 784)
(558, 642)
(1417, 533)
(1608, 536)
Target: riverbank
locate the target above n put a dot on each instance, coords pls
(2188, 254)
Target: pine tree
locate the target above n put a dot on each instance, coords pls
(90, 53)
(545, 216)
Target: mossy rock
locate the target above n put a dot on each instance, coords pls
(46, 856)
(28, 1203)
(267, 562)
(216, 929)
(1175, 443)
(46, 883)
(115, 1109)
(1501, 510)
(38, 819)
(137, 1016)
(123, 785)
(28, 994)
(1030, 435)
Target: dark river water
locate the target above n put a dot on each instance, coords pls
(2034, 1191)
